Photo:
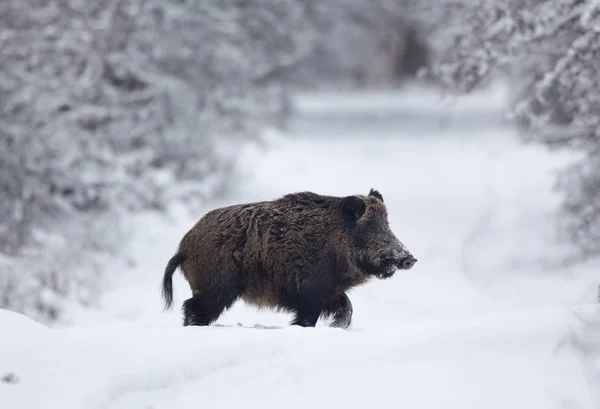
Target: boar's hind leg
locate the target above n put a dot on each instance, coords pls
(341, 309)
(207, 305)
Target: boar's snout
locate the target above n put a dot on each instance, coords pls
(407, 263)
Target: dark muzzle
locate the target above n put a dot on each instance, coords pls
(407, 263)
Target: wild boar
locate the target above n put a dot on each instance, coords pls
(300, 253)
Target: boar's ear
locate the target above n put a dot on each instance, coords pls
(353, 207)
(376, 194)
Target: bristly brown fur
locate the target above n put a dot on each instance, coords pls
(300, 253)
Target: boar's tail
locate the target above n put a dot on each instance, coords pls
(167, 282)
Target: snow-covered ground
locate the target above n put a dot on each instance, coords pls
(478, 323)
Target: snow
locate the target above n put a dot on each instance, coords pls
(479, 322)
(496, 361)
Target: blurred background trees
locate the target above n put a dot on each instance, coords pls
(118, 106)
(549, 51)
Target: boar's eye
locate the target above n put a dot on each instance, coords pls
(353, 208)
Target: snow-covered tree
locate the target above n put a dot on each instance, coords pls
(550, 50)
(362, 40)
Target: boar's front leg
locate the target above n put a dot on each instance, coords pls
(306, 318)
(308, 304)
(307, 312)
(340, 308)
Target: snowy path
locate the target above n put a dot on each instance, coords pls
(463, 193)
(474, 325)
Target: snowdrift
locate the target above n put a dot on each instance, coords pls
(512, 360)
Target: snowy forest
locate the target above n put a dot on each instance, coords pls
(115, 115)
(116, 107)
(119, 106)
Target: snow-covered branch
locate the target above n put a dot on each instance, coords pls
(550, 50)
